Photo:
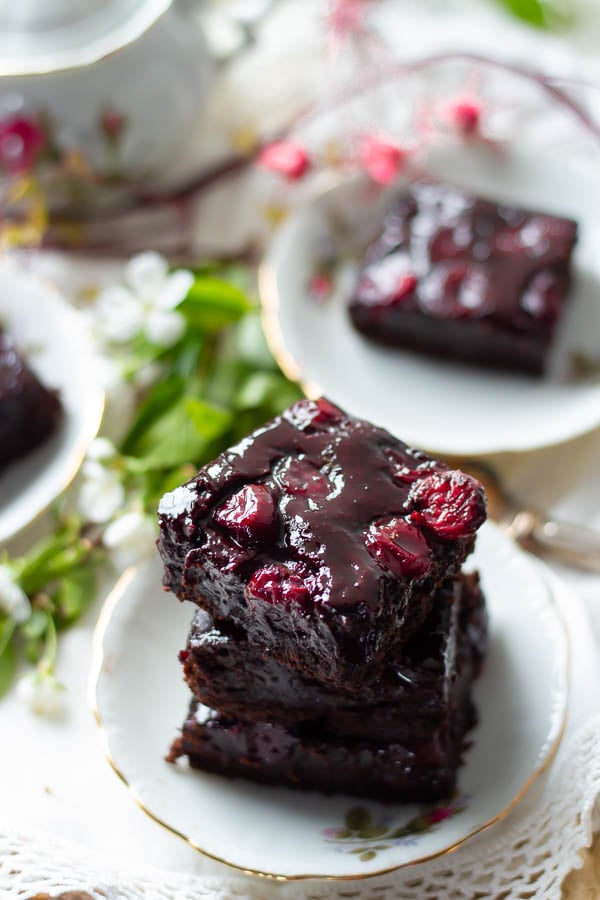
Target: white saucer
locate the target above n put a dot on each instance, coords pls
(141, 701)
(441, 406)
(51, 336)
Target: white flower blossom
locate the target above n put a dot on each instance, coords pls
(148, 375)
(13, 599)
(146, 303)
(101, 448)
(42, 693)
(130, 538)
(101, 493)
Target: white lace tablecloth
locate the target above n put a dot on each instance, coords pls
(66, 821)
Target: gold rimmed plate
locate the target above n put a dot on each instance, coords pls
(53, 338)
(140, 702)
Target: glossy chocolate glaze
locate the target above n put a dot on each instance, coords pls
(29, 412)
(302, 535)
(452, 266)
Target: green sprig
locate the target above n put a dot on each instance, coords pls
(541, 13)
(219, 381)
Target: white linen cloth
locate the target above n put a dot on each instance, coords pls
(66, 822)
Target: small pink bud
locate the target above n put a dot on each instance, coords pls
(464, 114)
(347, 17)
(382, 158)
(287, 158)
(438, 815)
(321, 286)
(21, 139)
(112, 122)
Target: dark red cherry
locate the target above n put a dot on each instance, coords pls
(302, 478)
(279, 585)
(399, 546)
(305, 413)
(249, 514)
(451, 503)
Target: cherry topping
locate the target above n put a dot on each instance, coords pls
(451, 503)
(542, 298)
(404, 472)
(400, 547)
(305, 413)
(303, 478)
(249, 514)
(278, 584)
(389, 281)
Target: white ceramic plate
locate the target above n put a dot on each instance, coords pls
(50, 334)
(442, 406)
(141, 702)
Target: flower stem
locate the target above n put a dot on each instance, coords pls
(48, 661)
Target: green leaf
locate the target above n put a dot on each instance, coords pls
(373, 832)
(250, 344)
(75, 592)
(35, 626)
(51, 557)
(8, 668)
(540, 13)
(358, 818)
(367, 855)
(210, 421)
(531, 11)
(183, 434)
(257, 390)
(163, 396)
(34, 650)
(212, 304)
(7, 628)
(342, 834)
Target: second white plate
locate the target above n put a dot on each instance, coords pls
(55, 343)
(441, 406)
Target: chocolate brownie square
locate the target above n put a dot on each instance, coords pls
(461, 277)
(418, 771)
(29, 412)
(322, 537)
(414, 697)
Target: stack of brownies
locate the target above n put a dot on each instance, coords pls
(336, 640)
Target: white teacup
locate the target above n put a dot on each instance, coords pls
(97, 95)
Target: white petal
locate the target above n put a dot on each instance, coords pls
(119, 315)
(101, 448)
(146, 274)
(93, 470)
(13, 599)
(100, 498)
(130, 538)
(165, 328)
(43, 694)
(174, 289)
(148, 375)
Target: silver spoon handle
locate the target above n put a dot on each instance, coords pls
(577, 545)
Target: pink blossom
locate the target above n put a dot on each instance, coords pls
(464, 114)
(287, 158)
(439, 814)
(346, 17)
(321, 285)
(112, 122)
(21, 139)
(382, 158)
